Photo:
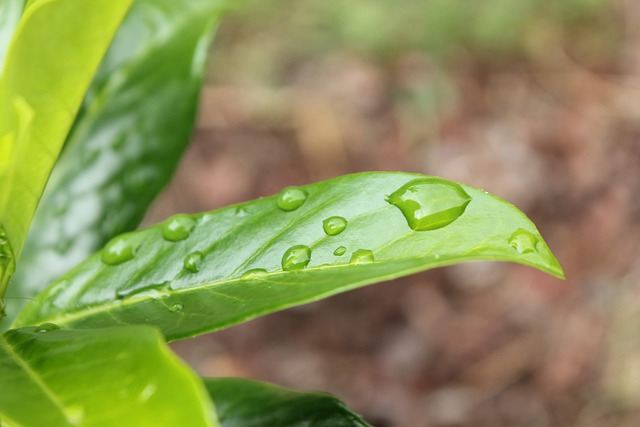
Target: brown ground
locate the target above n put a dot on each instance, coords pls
(480, 344)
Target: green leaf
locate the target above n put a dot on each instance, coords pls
(109, 377)
(126, 141)
(196, 274)
(246, 403)
(50, 61)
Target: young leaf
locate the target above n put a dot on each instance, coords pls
(50, 61)
(107, 377)
(246, 403)
(195, 274)
(126, 141)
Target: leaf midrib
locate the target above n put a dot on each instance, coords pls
(37, 379)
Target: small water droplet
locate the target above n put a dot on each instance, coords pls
(176, 308)
(334, 225)
(192, 261)
(46, 327)
(430, 203)
(121, 249)
(523, 242)
(361, 256)
(178, 228)
(155, 290)
(254, 273)
(340, 250)
(291, 198)
(296, 258)
(242, 211)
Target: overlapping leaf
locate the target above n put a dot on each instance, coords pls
(246, 403)
(111, 377)
(126, 142)
(209, 271)
(40, 92)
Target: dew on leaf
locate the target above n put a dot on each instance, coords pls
(523, 242)
(291, 198)
(334, 225)
(430, 203)
(178, 228)
(155, 290)
(296, 258)
(254, 273)
(176, 308)
(192, 261)
(340, 250)
(121, 249)
(361, 256)
(46, 327)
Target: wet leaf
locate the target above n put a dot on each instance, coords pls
(299, 261)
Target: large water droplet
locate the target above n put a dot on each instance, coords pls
(254, 273)
(121, 249)
(178, 228)
(192, 261)
(340, 250)
(334, 225)
(296, 258)
(46, 327)
(523, 242)
(176, 308)
(362, 256)
(291, 198)
(430, 203)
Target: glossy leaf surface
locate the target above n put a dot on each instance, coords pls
(246, 403)
(49, 64)
(126, 141)
(255, 258)
(112, 377)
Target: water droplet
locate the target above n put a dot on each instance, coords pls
(523, 242)
(178, 228)
(254, 273)
(155, 290)
(361, 256)
(242, 211)
(334, 225)
(296, 258)
(430, 203)
(291, 198)
(176, 308)
(340, 250)
(121, 249)
(192, 261)
(46, 327)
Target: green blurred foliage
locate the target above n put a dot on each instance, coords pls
(271, 36)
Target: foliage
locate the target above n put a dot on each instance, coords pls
(97, 356)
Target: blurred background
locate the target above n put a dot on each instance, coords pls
(537, 102)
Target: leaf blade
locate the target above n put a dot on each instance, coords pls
(114, 376)
(237, 240)
(39, 96)
(126, 141)
(247, 403)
